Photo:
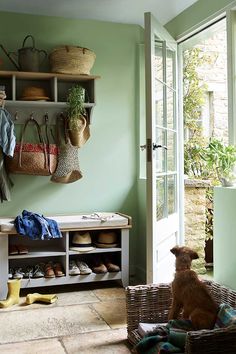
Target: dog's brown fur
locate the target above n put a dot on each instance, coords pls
(189, 293)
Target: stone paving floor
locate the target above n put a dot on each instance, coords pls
(85, 320)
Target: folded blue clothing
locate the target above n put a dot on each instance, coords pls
(36, 226)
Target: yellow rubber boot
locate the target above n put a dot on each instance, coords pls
(13, 295)
(48, 298)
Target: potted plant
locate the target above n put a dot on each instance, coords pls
(78, 128)
(222, 158)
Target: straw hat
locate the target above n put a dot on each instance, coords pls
(107, 239)
(82, 242)
(33, 93)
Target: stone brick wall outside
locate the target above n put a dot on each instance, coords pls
(214, 74)
(195, 219)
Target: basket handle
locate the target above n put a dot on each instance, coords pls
(31, 119)
(68, 49)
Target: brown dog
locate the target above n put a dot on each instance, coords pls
(189, 293)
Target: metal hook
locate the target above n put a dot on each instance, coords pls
(46, 117)
(32, 116)
(16, 115)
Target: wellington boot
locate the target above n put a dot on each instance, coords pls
(47, 298)
(13, 295)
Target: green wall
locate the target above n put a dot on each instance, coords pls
(109, 160)
(196, 13)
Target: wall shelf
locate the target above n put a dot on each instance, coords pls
(55, 87)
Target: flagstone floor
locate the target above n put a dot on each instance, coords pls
(85, 320)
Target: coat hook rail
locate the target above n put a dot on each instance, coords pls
(43, 117)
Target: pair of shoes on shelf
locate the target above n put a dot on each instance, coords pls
(77, 268)
(34, 271)
(17, 249)
(40, 270)
(53, 270)
(104, 265)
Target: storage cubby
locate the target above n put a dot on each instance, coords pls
(47, 85)
(55, 87)
(58, 250)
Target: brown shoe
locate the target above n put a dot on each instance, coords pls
(111, 266)
(57, 267)
(13, 250)
(98, 266)
(22, 249)
(48, 270)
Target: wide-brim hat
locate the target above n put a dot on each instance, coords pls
(33, 93)
(107, 239)
(82, 242)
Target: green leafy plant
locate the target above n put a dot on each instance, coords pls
(221, 160)
(193, 100)
(75, 103)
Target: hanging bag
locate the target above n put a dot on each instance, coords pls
(33, 158)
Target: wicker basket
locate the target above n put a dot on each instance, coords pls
(151, 303)
(72, 60)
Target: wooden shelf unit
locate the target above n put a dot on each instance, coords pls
(58, 250)
(56, 87)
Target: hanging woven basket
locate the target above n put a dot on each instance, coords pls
(72, 60)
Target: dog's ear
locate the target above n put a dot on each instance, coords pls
(175, 250)
(194, 255)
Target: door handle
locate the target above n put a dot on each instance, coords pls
(143, 147)
(155, 146)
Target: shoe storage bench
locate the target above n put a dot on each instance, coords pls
(58, 250)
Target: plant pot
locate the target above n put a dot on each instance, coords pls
(75, 137)
(209, 251)
(226, 182)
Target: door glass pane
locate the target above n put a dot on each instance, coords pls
(170, 108)
(160, 152)
(160, 202)
(158, 61)
(159, 104)
(171, 182)
(169, 67)
(171, 151)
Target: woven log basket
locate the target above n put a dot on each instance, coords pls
(151, 303)
(72, 60)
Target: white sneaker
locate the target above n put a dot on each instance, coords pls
(84, 268)
(73, 268)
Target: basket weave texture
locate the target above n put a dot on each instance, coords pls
(72, 60)
(151, 303)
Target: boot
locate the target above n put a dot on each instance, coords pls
(49, 299)
(13, 295)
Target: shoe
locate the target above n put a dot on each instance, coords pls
(48, 270)
(111, 266)
(57, 267)
(38, 271)
(22, 249)
(12, 250)
(98, 267)
(84, 268)
(10, 273)
(73, 268)
(18, 273)
(29, 272)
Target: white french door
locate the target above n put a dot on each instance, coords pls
(162, 151)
